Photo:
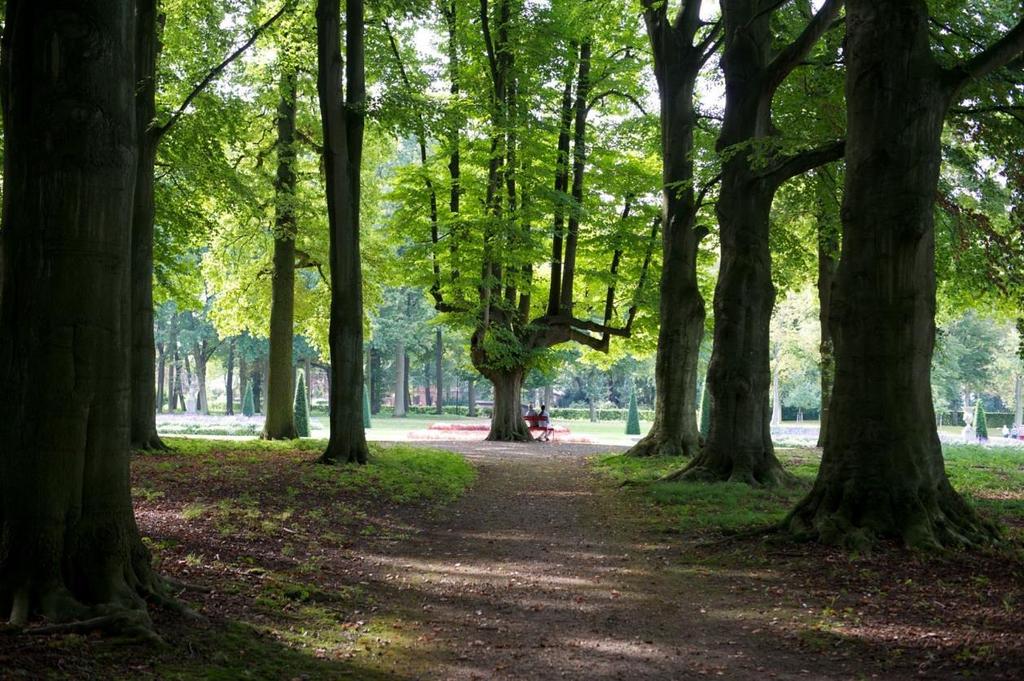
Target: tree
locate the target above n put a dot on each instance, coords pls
(366, 410)
(633, 418)
(301, 408)
(342, 118)
(280, 416)
(489, 279)
(679, 54)
(755, 164)
(69, 545)
(980, 422)
(882, 472)
(248, 405)
(150, 134)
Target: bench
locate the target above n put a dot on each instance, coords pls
(534, 423)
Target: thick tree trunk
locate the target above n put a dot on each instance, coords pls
(439, 372)
(399, 402)
(882, 473)
(143, 402)
(676, 62)
(507, 424)
(229, 380)
(280, 418)
(342, 123)
(161, 369)
(69, 545)
(828, 251)
(739, 443)
(776, 400)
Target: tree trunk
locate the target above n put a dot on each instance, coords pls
(342, 123)
(429, 398)
(439, 371)
(471, 397)
(1018, 388)
(243, 381)
(677, 62)
(776, 400)
(549, 395)
(882, 473)
(376, 379)
(828, 251)
(308, 369)
(593, 410)
(202, 405)
(229, 379)
(256, 376)
(143, 402)
(69, 544)
(280, 418)
(406, 382)
(400, 394)
(507, 424)
(161, 369)
(172, 373)
(739, 444)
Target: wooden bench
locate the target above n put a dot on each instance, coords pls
(534, 421)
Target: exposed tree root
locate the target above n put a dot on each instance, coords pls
(181, 586)
(509, 435)
(127, 624)
(657, 443)
(332, 455)
(769, 474)
(920, 518)
(153, 443)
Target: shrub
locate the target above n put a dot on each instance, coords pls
(248, 406)
(633, 420)
(301, 407)
(980, 422)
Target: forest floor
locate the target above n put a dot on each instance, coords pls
(543, 568)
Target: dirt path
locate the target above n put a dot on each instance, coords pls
(535, 574)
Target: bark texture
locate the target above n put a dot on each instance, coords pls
(739, 444)
(882, 473)
(280, 415)
(507, 424)
(143, 402)
(342, 122)
(678, 57)
(69, 545)
(828, 262)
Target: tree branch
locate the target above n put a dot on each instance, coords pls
(795, 164)
(160, 131)
(617, 93)
(794, 53)
(997, 55)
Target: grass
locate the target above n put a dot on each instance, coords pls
(992, 479)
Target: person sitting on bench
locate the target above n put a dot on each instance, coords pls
(545, 422)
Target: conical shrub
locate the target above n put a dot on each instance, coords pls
(301, 408)
(633, 418)
(248, 406)
(980, 422)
